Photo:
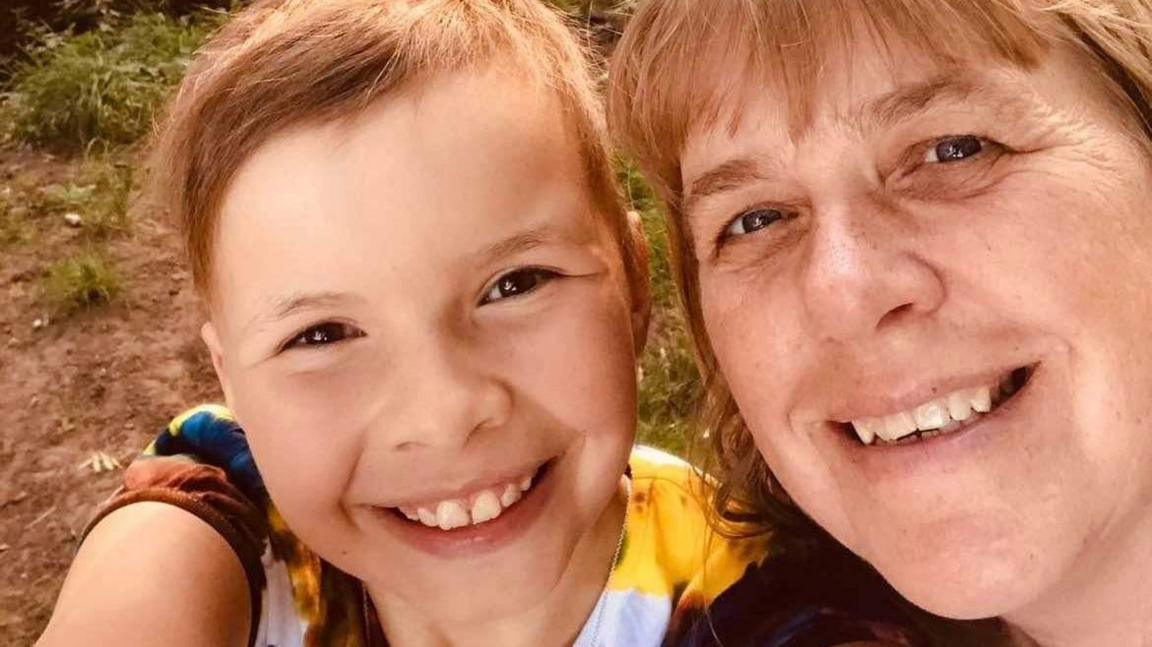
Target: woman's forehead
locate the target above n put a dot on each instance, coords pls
(790, 50)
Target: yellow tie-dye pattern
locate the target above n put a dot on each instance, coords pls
(670, 549)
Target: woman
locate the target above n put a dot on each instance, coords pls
(914, 238)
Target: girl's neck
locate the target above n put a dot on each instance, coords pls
(556, 620)
(1107, 600)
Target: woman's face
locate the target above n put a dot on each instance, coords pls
(931, 304)
(425, 329)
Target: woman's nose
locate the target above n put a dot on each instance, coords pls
(862, 271)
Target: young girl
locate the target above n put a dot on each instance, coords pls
(424, 306)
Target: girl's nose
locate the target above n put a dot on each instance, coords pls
(444, 396)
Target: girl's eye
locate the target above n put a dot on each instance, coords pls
(324, 334)
(751, 221)
(517, 283)
(955, 149)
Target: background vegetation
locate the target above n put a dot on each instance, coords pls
(85, 82)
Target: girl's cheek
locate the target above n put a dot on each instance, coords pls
(298, 427)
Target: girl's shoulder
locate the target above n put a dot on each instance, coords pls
(201, 462)
(671, 558)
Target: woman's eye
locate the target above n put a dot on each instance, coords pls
(752, 221)
(955, 149)
(323, 335)
(517, 283)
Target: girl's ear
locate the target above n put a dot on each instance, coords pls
(640, 281)
(212, 341)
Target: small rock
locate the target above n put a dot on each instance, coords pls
(173, 292)
(73, 219)
(34, 401)
(4, 547)
(20, 496)
(38, 324)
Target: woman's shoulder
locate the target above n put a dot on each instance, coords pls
(819, 599)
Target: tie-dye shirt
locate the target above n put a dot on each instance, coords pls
(676, 583)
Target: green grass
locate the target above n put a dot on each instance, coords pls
(14, 226)
(670, 383)
(101, 195)
(81, 282)
(101, 87)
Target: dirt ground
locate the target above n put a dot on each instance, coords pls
(103, 380)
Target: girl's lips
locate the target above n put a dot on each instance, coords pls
(478, 539)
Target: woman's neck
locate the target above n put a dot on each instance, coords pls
(1106, 600)
(558, 618)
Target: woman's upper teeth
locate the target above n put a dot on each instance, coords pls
(480, 506)
(957, 406)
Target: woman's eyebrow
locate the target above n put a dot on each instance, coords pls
(731, 174)
(911, 99)
(951, 86)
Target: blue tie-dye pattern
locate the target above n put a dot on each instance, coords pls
(219, 442)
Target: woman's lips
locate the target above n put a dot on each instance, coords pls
(940, 416)
(1003, 429)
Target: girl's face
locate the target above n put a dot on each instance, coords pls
(426, 331)
(960, 259)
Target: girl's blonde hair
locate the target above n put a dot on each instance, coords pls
(681, 61)
(280, 64)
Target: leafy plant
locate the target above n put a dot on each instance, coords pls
(102, 86)
(101, 196)
(669, 381)
(80, 282)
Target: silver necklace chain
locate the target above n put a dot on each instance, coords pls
(601, 602)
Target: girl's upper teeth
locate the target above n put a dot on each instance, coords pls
(936, 414)
(482, 505)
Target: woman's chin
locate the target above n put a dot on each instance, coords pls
(957, 576)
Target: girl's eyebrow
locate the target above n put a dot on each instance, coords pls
(284, 307)
(518, 243)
